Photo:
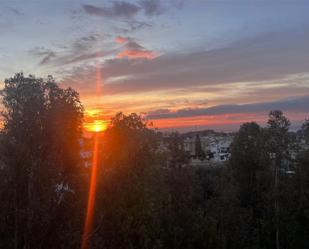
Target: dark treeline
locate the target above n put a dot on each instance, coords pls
(146, 197)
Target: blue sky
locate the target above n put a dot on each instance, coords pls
(173, 60)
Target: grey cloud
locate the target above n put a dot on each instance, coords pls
(90, 38)
(117, 9)
(134, 25)
(300, 104)
(83, 48)
(83, 56)
(177, 3)
(85, 42)
(47, 58)
(46, 55)
(16, 11)
(152, 7)
(127, 9)
(272, 56)
(131, 25)
(158, 112)
(134, 45)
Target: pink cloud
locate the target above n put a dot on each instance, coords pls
(227, 122)
(121, 39)
(137, 54)
(133, 50)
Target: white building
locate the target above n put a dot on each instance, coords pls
(215, 147)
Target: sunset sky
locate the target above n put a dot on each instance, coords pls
(183, 64)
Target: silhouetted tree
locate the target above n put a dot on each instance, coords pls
(250, 167)
(199, 153)
(130, 186)
(40, 153)
(278, 142)
(305, 129)
(177, 157)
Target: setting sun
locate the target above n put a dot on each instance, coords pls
(96, 126)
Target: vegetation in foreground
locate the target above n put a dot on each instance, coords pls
(145, 199)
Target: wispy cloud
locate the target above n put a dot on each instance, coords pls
(267, 57)
(117, 9)
(299, 104)
(152, 7)
(124, 9)
(137, 54)
(16, 11)
(134, 25)
(82, 49)
(133, 50)
(45, 55)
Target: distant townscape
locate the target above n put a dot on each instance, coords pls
(208, 148)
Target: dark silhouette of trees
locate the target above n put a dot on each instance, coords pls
(176, 156)
(130, 193)
(250, 167)
(305, 129)
(199, 153)
(40, 155)
(148, 196)
(278, 142)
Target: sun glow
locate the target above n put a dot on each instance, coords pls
(96, 126)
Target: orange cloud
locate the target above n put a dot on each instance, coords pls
(208, 120)
(133, 50)
(228, 122)
(135, 54)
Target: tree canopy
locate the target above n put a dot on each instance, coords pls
(148, 194)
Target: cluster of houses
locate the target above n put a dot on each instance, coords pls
(209, 149)
(202, 148)
(206, 148)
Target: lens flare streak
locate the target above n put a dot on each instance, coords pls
(96, 128)
(91, 197)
